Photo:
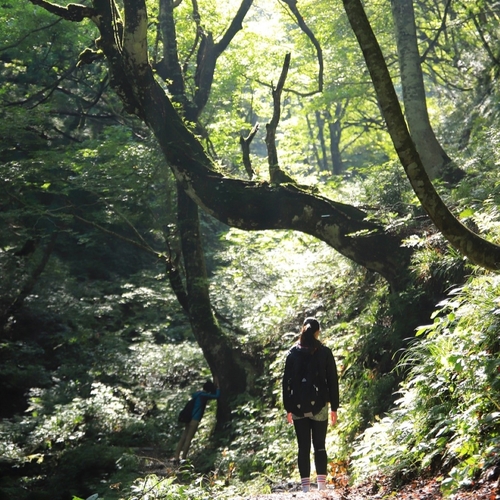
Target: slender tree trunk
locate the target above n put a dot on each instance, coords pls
(317, 158)
(335, 130)
(320, 122)
(222, 357)
(28, 285)
(479, 250)
(433, 156)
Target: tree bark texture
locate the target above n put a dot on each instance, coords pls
(433, 156)
(478, 250)
(248, 205)
(221, 356)
(275, 173)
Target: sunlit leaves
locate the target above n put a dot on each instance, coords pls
(241, 93)
(266, 276)
(450, 396)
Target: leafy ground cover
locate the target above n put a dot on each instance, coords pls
(380, 487)
(94, 435)
(420, 489)
(383, 488)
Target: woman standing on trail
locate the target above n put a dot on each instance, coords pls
(310, 381)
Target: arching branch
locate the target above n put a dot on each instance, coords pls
(243, 204)
(477, 249)
(292, 4)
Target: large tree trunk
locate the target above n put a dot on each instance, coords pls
(222, 357)
(479, 250)
(125, 47)
(433, 156)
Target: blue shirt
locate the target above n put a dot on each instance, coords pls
(200, 402)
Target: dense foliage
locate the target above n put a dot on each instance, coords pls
(97, 354)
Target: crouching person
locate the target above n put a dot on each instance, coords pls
(195, 410)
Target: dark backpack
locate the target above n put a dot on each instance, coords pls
(304, 393)
(187, 412)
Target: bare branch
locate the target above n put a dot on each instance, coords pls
(486, 45)
(319, 52)
(208, 54)
(234, 27)
(199, 33)
(441, 29)
(245, 148)
(42, 95)
(30, 33)
(276, 175)
(146, 247)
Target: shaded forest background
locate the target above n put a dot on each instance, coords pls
(119, 297)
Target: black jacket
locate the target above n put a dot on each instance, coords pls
(327, 368)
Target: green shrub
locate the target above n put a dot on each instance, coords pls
(447, 415)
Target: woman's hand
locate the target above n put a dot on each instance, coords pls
(333, 417)
(289, 418)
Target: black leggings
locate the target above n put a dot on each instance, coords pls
(305, 428)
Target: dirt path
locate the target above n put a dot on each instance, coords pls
(312, 495)
(420, 489)
(379, 488)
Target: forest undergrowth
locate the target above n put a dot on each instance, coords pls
(97, 355)
(419, 416)
(433, 436)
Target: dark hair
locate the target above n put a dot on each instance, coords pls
(307, 338)
(209, 386)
